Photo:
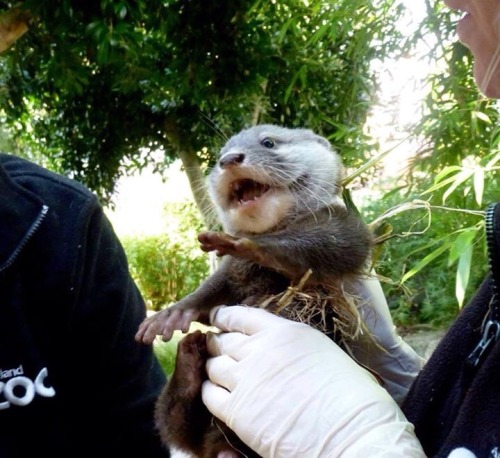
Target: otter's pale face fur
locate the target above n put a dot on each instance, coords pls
(267, 175)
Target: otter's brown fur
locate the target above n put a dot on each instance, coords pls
(278, 194)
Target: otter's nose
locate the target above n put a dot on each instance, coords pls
(231, 159)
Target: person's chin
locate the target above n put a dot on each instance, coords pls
(492, 91)
(490, 88)
(467, 29)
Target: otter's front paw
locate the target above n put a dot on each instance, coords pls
(224, 244)
(164, 324)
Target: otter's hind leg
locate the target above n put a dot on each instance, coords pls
(181, 417)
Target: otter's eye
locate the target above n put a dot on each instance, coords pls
(267, 142)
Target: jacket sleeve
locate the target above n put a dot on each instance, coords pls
(119, 379)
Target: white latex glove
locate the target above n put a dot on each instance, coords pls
(399, 364)
(288, 391)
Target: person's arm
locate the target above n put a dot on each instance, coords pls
(288, 390)
(119, 379)
(392, 358)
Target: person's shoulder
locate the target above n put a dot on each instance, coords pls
(41, 181)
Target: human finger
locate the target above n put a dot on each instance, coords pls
(232, 344)
(220, 371)
(216, 399)
(241, 318)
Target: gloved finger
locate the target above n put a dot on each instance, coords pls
(220, 371)
(216, 399)
(232, 344)
(241, 318)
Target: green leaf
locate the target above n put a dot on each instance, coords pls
(428, 259)
(300, 74)
(442, 184)
(479, 185)
(446, 171)
(482, 116)
(462, 243)
(460, 178)
(123, 12)
(463, 274)
(493, 161)
(284, 30)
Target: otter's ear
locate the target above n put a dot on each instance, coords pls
(323, 141)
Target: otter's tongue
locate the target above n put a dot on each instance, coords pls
(247, 190)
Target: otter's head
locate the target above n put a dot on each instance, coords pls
(267, 174)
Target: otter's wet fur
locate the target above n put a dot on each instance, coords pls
(277, 192)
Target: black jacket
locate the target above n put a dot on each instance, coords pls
(452, 403)
(73, 382)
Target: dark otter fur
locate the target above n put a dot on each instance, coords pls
(182, 419)
(278, 195)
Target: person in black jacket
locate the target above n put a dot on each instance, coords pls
(73, 382)
(286, 390)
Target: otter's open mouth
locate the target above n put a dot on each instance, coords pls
(246, 190)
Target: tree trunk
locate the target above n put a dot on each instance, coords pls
(191, 164)
(13, 24)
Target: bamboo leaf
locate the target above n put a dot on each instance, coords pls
(299, 74)
(463, 274)
(430, 244)
(479, 185)
(482, 116)
(462, 243)
(284, 30)
(319, 34)
(446, 171)
(422, 263)
(369, 164)
(493, 161)
(442, 184)
(460, 178)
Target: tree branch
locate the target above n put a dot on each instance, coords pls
(14, 23)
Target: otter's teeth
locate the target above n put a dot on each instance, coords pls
(246, 190)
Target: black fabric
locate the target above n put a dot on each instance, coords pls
(451, 404)
(73, 382)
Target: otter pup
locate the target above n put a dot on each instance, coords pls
(278, 195)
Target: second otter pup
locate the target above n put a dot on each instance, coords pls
(278, 194)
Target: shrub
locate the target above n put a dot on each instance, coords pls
(166, 351)
(428, 296)
(169, 266)
(165, 271)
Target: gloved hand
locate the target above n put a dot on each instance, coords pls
(288, 391)
(396, 362)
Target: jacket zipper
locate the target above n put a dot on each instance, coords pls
(491, 325)
(493, 261)
(33, 228)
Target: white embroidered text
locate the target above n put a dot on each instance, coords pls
(20, 390)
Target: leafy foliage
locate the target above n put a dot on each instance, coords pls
(166, 352)
(168, 267)
(94, 83)
(94, 86)
(456, 172)
(418, 264)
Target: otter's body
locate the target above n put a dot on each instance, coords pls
(278, 195)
